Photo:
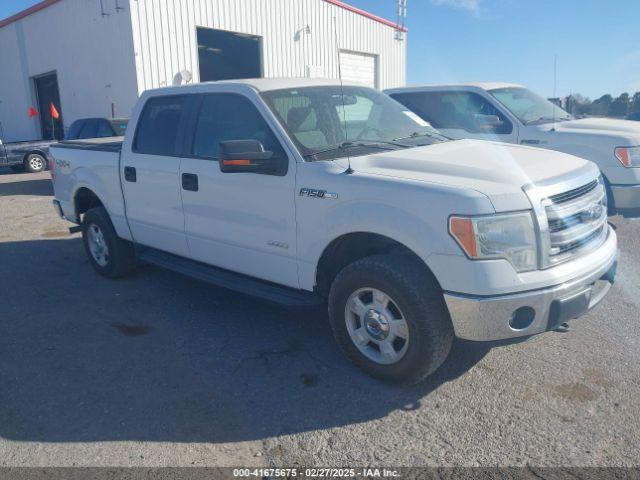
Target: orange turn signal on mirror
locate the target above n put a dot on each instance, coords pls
(462, 231)
(231, 163)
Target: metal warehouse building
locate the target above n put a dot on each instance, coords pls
(94, 57)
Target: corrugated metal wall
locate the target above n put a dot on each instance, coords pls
(90, 53)
(164, 33)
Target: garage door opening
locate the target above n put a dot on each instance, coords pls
(47, 93)
(228, 55)
(359, 68)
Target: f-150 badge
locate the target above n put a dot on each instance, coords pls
(322, 194)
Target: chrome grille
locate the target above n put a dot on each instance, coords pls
(575, 193)
(577, 221)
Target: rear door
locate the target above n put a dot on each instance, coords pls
(150, 172)
(243, 222)
(460, 114)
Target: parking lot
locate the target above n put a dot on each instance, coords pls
(158, 369)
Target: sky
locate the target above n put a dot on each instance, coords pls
(596, 42)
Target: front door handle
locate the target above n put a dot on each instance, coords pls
(130, 174)
(190, 182)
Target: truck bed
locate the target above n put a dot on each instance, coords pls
(93, 164)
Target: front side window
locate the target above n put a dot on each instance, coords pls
(225, 117)
(157, 132)
(457, 110)
(529, 107)
(329, 122)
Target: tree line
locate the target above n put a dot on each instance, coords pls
(606, 106)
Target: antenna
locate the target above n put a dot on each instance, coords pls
(555, 87)
(402, 15)
(348, 171)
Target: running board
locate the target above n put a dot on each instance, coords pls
(230, 280)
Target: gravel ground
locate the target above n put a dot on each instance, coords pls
(160, 370)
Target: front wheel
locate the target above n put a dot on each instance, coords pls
(35, 163)
(109, 255)
(389, 317)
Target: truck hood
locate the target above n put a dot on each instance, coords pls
(626, 129)
(497, 170)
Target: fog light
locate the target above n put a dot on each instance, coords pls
(522, 318)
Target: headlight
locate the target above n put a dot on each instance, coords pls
(510, 236)
(628, 156)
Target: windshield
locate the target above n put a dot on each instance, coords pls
(324, 127)
(529, 107)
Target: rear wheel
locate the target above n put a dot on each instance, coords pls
(109, 255)
(388, 315)
(35, 163)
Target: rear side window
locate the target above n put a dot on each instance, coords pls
(119, 127)
(89, 129)
(456, 110)
(157, 132)
(226, 117)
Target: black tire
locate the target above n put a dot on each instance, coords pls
(418, 296)
(17, 168)
(35, 163)
(120, 257)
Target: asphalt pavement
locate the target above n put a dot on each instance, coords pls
(161, 370)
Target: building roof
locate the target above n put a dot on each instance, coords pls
(364, 13)
(47, 3)
(25, 13)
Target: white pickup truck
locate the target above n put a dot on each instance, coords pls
(513, 114)
(305, 192)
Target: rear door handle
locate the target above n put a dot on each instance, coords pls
(130, 174)
(190, 182)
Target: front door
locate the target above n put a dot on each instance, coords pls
(150, 172)
(243, 222)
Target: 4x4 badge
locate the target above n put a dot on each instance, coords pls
(322, 194)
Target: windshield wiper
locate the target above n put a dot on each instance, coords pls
(381, 144)
(547, 120)
(437, 136)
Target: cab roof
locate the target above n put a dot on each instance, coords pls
(258, 84)
(471, 85)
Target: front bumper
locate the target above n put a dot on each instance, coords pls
(626, 196)
(528, 313)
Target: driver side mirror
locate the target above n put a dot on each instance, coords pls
(249, 156)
